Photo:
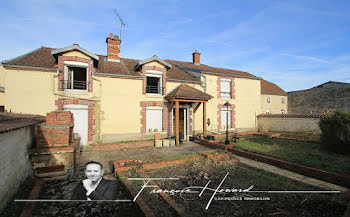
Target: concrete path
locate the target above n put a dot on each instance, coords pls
(291, 175)
(138, 153)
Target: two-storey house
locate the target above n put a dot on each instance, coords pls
(118, 99)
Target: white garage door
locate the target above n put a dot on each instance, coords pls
(80, 114)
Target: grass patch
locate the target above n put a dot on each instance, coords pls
(303, 153)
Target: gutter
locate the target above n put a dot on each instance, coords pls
(232, 75)
(30, 67)
(117, 75)
(187, 81)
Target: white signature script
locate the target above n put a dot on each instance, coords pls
(191, 189)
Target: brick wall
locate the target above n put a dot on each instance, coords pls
(113, 48)
(144, 83)
(61, 67)
(91, 109)
(220, 107)
(58, 130)
(165, 113)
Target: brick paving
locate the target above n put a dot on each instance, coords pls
(106, 158)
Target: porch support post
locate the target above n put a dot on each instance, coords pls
(204, 120)
(177, 141)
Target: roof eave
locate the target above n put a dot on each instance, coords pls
(75, 47)
(154, 58)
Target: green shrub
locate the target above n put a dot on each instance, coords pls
(336, 132)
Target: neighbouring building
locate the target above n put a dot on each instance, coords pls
(331, 95)
(119, 99)
(273, 99)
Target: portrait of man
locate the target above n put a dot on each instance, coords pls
(94, 186)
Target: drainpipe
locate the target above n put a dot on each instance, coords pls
(204, 83)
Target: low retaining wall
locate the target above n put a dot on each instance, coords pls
(122, 145)
(289, 123)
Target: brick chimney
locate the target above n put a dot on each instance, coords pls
(196, 58)
(113, 48)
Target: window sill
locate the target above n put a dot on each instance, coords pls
(76, 92)
(225, 98)
(154, 95)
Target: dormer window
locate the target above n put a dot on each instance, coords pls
(154, 82)
(75, 76)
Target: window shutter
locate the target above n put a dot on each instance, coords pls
(223, 119)
(225, 89)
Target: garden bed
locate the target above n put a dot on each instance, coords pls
(240, 176)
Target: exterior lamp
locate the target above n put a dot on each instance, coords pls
(227, 104)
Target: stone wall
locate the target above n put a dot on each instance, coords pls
(313, 101)
(289, 123)
(15, 162)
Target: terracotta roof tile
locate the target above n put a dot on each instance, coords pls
(10, 121)
(184, 91)
(42, 57)
(38, 58)
(271, 88)
(125, 67)
(207, 68)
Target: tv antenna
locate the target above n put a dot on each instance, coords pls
(122, 24)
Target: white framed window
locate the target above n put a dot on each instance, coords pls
(225, 115)
(75, 76)
(154, 119)
(268, 100)
(282, 100)
(154, 82)
(225, 88)
(282, 111)
(268, 111)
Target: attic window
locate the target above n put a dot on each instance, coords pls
(154, 84)
(75, 77)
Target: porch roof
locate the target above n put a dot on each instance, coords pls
(186, 92)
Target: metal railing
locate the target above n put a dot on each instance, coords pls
(75, 85)
(154, 89)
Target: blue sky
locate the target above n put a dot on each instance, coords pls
(295, 44)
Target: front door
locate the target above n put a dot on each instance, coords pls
(80, 115)
(183, 125)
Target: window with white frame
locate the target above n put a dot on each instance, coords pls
(282, 111)
(154, 82)
(268, 100)
(225, 116)
(268, 111)
(75, 76)
(282, 100)
(154, 119)
(225, 88)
